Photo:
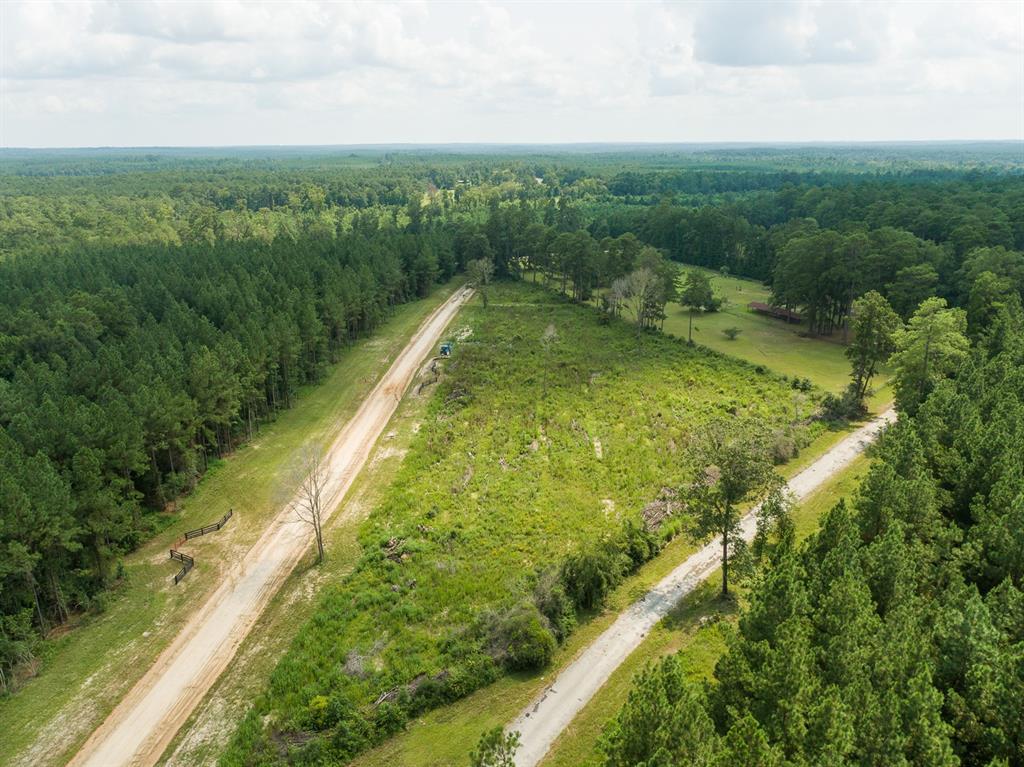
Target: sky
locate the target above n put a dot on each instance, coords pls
(257, 73)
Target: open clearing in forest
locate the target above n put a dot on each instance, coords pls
(89, 669)
(145, 721)
(501, 481)
(445, 736)
(765, 340)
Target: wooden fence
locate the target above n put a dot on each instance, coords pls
(209, 528)
(187, 563)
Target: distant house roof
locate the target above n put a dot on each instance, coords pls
(775, 311)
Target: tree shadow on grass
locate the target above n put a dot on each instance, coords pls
(702, 606)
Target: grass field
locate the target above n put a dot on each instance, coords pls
(87, 669)
(445, 736)
(527, 450)
(764, 340)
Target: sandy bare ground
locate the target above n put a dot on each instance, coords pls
(145, 721)
(540, 723)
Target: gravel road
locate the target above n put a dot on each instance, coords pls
(144, 722)
(552, 711)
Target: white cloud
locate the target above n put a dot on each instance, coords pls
(787, 33)
(164, 72)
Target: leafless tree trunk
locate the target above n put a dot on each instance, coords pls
(310, 476)
(548, 340)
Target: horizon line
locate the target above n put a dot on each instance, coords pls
(523, 144)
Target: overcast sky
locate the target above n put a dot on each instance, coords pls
(216, 73)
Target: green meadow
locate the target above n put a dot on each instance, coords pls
(548, 432)
(762, 340)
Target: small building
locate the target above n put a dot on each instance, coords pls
(777, 312)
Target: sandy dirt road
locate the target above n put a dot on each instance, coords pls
(144, 722)
(543, 720)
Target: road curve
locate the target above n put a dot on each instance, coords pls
(139, 728)
(540, 723)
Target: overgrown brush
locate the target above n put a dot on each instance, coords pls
(515, 512)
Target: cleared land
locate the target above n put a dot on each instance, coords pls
(765, 340)
(529, 449)
(203, 737)
(90, 667)
(446, 735)
(543, 720)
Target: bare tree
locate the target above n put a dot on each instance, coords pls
(310, 476)
(641, 294)
(480, 271)
(548, 340)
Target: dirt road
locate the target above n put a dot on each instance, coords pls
(545, 718)
(144, 722)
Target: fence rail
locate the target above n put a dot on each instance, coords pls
(209, 528)
(187, 563)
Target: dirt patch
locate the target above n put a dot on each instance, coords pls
(386, 452)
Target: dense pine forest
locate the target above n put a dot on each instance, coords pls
(157, 307)
(895, 635)
(127, 368)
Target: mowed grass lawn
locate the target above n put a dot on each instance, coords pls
(764, 340)
(86, 670)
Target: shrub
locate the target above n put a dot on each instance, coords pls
(731, 333)
(477, 671)
(350, 736)
(554, 604)
(316, 711)
(843, 408)
(519, 638)
(590, 574)
(802, 384)
(531, 644)
(637, 543)
(388, 719)
(495, 749)
(784, 446)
